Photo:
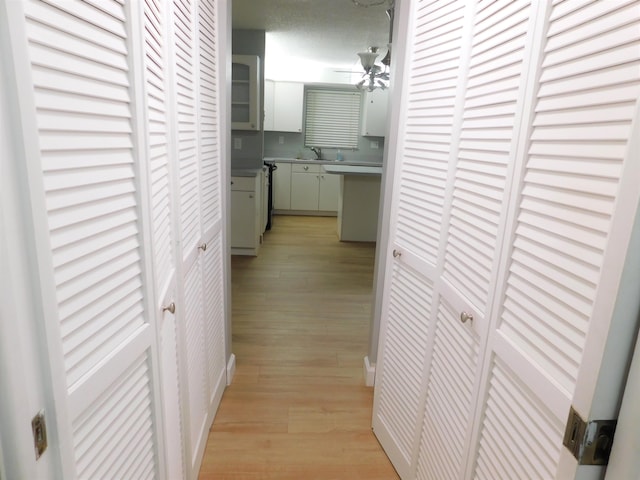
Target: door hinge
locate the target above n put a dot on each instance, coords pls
(590, 442)
(39, 429)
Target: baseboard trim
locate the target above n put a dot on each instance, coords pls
(369, 372)
(231, 368)
(251, 252)
(307, 213)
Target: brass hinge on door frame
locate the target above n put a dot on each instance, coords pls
(590, 442)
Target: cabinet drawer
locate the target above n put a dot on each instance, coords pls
(243, 184)
(304, 168)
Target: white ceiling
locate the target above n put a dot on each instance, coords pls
(309, 39)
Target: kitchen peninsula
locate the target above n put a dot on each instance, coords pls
(348, 190)
(358, 202)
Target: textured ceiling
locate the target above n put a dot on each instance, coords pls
(325, 32)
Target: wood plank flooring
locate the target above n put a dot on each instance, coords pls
(298, 407)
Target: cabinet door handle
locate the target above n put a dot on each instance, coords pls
(396, 253)
(203, 247)
(306, 167)
(250, 196)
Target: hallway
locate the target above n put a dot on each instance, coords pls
(298, 407)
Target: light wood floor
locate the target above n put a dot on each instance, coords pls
(298, 407)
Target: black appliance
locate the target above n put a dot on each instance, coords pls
(271, 166)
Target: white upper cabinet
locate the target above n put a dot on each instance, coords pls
(283, 106)
(245, 93)
(374, 113)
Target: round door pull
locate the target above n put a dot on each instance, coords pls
(396, 254)
(171, 308)
(203, 247)
(464, 316)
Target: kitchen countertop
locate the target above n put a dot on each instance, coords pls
(321, 162)
(340, 169)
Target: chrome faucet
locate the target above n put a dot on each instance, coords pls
(317, 151)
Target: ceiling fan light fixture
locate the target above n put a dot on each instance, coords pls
(375, 76)
(368, 59)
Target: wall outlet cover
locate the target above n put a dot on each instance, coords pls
(281, 140)
(237, 144)
(374, 144)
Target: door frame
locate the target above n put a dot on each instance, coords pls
(391, 149)
(624, 461)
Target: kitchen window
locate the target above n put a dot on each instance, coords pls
(332, 118)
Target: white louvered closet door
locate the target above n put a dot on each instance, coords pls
(211, 181)
(411, 307)
(190, 309)
(576, 206)
(513, 202)
(157, 113)
(199, 177)
(101, 343)
(480, 170)
(474, 129)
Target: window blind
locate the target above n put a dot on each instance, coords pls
(332, 118)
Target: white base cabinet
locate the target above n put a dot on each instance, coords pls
(313, 190)
(246, 214)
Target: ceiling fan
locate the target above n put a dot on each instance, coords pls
(375, 75)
